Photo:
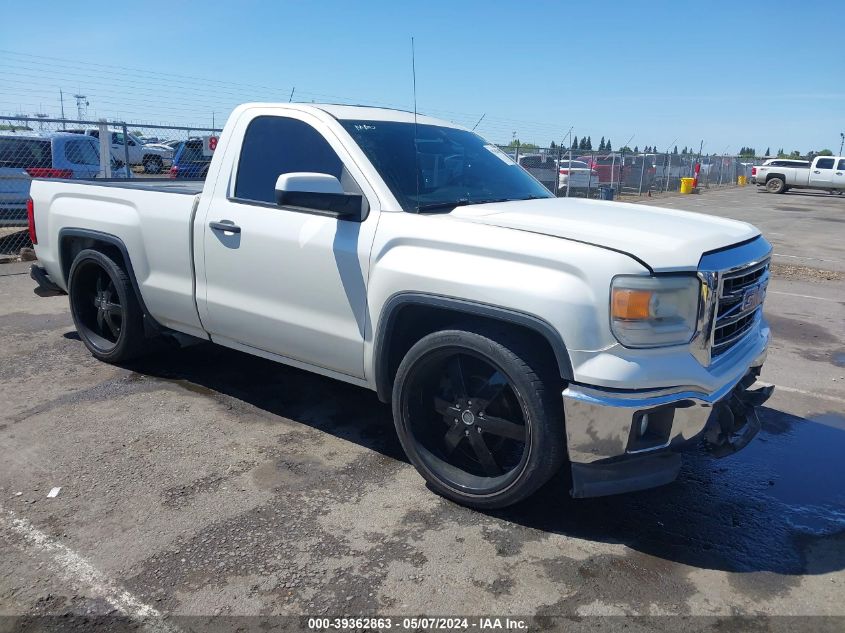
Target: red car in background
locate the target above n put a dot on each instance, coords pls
(608, 167)
(624, 171)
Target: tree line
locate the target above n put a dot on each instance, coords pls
(585, 144)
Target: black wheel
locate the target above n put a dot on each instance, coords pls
(104, 308)
(153, 165)
(775, 185)
(479, 417)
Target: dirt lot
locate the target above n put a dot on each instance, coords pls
(207, 482)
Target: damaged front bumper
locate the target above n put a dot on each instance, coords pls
(621, 441)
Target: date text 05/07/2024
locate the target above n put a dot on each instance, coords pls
(491, 623)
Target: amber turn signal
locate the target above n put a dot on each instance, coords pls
(631, 305)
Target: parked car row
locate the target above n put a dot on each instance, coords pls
(575, 175)
(640, 172)
(154, 158)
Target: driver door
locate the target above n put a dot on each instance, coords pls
(288, 282)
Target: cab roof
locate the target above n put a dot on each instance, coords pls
(360, 113)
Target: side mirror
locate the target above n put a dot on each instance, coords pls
(320, 193)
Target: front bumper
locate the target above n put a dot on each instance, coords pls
(620, 441)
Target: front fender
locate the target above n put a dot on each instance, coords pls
(559, 286)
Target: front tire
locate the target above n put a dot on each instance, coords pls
(479, 415)
(775, 185)
(104, 308)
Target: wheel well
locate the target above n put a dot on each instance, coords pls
(71, 245)
(411, 321)
(770, 176)
(73, 241)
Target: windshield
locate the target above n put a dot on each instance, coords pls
(451, 166)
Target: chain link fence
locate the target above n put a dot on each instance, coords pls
(32, 147)
(620, 174)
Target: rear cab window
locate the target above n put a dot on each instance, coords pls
(824, 163)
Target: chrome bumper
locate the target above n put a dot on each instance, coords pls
(621, 441)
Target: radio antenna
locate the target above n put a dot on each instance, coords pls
(479, 121)
(416, 149)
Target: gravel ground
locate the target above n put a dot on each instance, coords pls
(204, 482)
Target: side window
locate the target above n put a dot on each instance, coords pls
(275, 145)
(81, 153)
(117, 138)
(824, 163)
(841, 163)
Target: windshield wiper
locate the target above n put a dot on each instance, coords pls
(461, 202)
(434, 206)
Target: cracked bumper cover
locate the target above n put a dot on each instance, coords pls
(609, 454)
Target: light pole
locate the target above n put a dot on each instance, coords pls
(841, 142)
(569, 170)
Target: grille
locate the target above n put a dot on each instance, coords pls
(733, 318)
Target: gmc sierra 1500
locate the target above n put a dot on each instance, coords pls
(512, 331)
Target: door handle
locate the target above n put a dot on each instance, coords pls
(839, 173)
(816, 171)
(225, 225)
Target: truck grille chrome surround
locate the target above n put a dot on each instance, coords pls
(733, 287)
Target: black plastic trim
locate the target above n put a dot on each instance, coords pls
(326, 214)
(115, 241)
(387, 321)
(604, 478)
(40, 276)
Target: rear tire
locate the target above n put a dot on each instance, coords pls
(153, 165)
(104, 308)
(480, 416)
(775, 185)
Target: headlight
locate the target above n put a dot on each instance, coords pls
(654, 311)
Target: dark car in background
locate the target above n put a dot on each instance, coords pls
(189, 161)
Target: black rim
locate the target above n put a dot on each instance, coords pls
(99, 311)
(466, 420)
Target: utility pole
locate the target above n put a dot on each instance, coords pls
(841, 142)
(62, 101)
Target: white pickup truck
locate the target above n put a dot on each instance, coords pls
(153, 158)
(780, 175)
(512, 331)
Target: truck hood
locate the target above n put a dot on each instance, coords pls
(664, 239)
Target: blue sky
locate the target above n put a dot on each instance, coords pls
(659, 71)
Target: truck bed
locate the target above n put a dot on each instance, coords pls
(150, 218)
(165, 185)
